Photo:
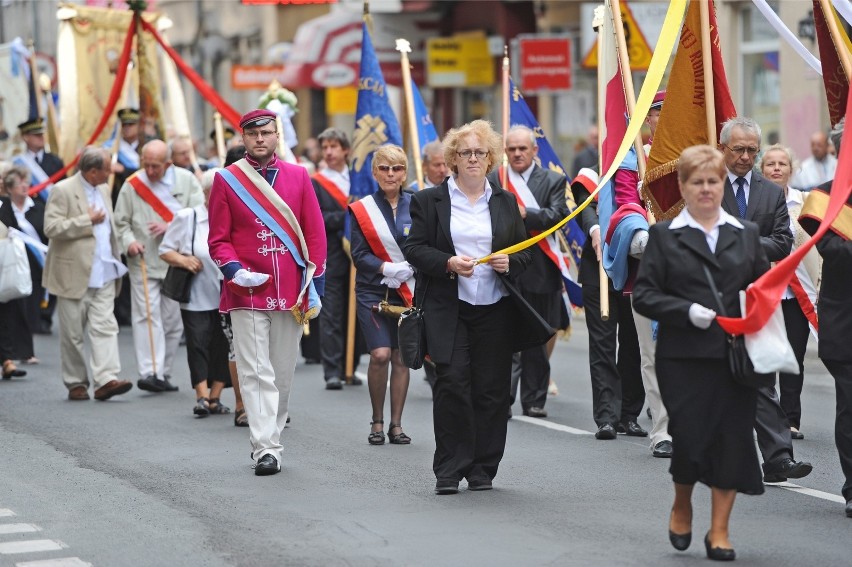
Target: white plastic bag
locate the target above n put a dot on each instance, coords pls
(769, 349)
(15, 281)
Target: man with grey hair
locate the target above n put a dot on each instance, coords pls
(146, 205)
(434, 165)
(84, 271)
(750, 196)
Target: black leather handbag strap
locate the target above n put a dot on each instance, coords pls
(194, 224)
(419, 297)
(714, 289)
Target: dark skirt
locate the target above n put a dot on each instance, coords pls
(206, 347)
(378, 330)
(711, 421)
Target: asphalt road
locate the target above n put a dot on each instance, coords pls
(139, 481)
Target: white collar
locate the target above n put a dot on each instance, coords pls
(794, 196)
(28, 204)
(685, 219)
(168, 178)
(39, 155)
(732, 177)
(453, 186)
(527, 173)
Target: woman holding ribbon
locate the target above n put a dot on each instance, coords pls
(380, 225)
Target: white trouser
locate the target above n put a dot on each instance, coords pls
(93, 313)
(647, 348)
(265, 373)
(166, 326)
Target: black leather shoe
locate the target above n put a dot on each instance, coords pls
(355, 381)
(535, 412)
(476, 484)
(631, 429)
(680, 541)
(796, 434)
(786, 468)
(605, 431)
(718, 553)
(663, 450)
(333, 383)
(150, 383)
(849, 508)
(167, 385)
(267, 465)
(509, 415)
(447, 487)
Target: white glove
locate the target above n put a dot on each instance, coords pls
(246, 278)
(638, 244)
(399, 271)
(392, 283)
(700, 316)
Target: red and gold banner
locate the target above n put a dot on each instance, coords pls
(833, 75)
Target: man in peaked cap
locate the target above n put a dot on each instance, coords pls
(128, 149)
(268, 239)
(653, 117)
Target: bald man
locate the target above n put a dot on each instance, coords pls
(817, 169)
(146, 204)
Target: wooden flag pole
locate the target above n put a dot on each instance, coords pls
(627, 79)
(54, 133)
(842, 52)
(404, 48)
(504, 177)
(707, 60)
(219, 130)
(597, 23)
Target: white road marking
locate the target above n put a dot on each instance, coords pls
(809, 491)
(61, 562)
(550, 425)
(5, 512)
(18, 528)
(30, 546)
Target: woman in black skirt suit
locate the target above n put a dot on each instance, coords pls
(380, 225)
(712, 416)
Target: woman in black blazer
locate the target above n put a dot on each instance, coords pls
(712, 416)
(471, 324)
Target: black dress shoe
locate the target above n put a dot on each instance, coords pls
(796, 434)
(786, 468)
(663, 450)
(447, 487)
(680, 541)
(633, 429)
(267, 465)
(356, 381)
(849, 508)
(605, 431)
(333, 383)
(476, 484)
(509, 415)
(150, 383)
(718, 553)
(168, 386)
(535, 412)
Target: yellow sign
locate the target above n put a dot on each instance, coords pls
(459, 62)
(638, 51)
(341, 100)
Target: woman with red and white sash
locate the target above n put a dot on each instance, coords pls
(380, 225)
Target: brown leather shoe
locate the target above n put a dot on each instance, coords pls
(112, 388)
(78, 394)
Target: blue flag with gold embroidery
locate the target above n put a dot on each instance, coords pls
(425, 128)
(375, 122)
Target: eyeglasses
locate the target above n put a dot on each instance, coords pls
(739, 150)
(395, 168)
(259, 133)
(465, 154)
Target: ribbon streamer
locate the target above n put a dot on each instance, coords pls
(788, 36)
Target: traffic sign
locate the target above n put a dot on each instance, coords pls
(639, 52)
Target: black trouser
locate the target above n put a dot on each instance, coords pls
(614, 359)
(773, 433)
(335, 309)
(790, 385)
(842, 373)
(472, 394)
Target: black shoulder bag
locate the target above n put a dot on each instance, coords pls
(177, 284)
(738, 359)
(412, 332)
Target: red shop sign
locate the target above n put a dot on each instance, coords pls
(545, 64)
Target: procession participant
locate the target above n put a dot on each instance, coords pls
(83, 269)
(181, 148)
(127, 162)
(614, 361)
(818, 168)
(835, 314)
(146, 205)
(541, 202)
(434, 166)
(759, 200)
(267, 237)
(471, 326)
(380, 225)
(332, 189)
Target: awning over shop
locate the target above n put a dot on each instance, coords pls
(327, 50)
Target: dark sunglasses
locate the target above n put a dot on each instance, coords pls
(395, 168)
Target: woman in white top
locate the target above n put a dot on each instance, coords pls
(206, 345)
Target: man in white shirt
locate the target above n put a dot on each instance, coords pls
(83, 270)
(818, 168)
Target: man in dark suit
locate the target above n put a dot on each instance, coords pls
(614, 358)
(541, 201)
(835, 314)
(748, 195)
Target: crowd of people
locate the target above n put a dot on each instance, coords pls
(268, 249)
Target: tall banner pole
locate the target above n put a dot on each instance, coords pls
(831, 21)
(627, 79)
(504, 176)
(404, 48)
(116, 133)
(707, 60)
(219, 130)
(597, 24)
(36, 84)
(54, 133)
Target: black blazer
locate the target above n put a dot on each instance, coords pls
(671, 278)
(36, 217)
(430, 246)
(367, 264)
(334, 216)
(548, 188)
(767, 208)
(589, 272)
(51, 163)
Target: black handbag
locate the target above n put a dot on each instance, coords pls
(177, 284)
(411, 333)
(739, 362)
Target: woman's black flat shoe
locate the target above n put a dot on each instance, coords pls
(680, 541)
(376, 437)
(718, 553)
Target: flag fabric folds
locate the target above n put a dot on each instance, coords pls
(683, 119)
(375, 122)
(425, 127)
(833, 75)
(14, 70)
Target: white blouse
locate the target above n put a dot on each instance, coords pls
(206, 286)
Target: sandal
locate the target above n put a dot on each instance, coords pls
(376, 437)
(11, 371)
(240, 418)
(400, 438)
(202, 407)
(218, 408)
